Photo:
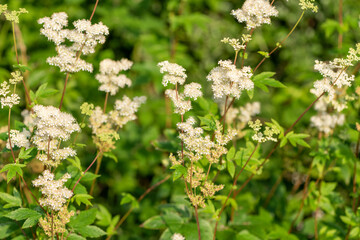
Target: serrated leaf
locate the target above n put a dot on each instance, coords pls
(42, 92)
(103, 216)
(74, 236)
(11, 200)
(111, 156)
(82, 198)
(90, 231)
(32, 221)
(128, 198)
(230, 167)
(180, 171)
(163, 221)
(231, 153)
(25, 153)
(12, 169)
(83, 219)
(23, 213)
(75, 162)
(264, 79)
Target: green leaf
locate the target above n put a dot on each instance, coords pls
(245, 235)
(208, 122)
(231, 154)
(42, 92)
(264, 79)
(32, 221)
(74, 236)
(83, 219)
(265, 54)
(103, 216)
(296, 139)
(12, 169)
(111, 156)
(163, 221)
(230, 167)
(25, 153)
(88, 176)
(82, 198)
(250, 93)
(180, 171)
(128, 198)
(22, 68)
(12, 201)
(4, 136)
(90, 231)
(23, 213)
(75, 162)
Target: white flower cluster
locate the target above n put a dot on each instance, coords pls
(52, 127)
(175, 74)
(8, 99)
(230, 81)
(243, 114)
(109, 76)
(308, 4)
(326, 122)
(177, 236)
(255, 13)
(84, 38)
(235, 43)
(55, 194)
(267, 135)
(125, 109)
(19, 139)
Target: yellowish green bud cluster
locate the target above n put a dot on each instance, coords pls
(87, 109)
(308, 4)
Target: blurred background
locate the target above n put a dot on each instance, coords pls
(187, 32)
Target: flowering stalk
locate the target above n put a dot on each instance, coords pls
(78, 54)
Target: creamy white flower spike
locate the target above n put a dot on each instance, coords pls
(192, 90)
(109, 76)
(52, 127)
(19, 139)
(54, 193)
(125, 109)
(230, 81)
(175, 73)
(255, 13)
(84, 38)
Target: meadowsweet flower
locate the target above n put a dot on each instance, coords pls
(53, 191)
(67, 61)
(53, 27)
(230, 81)
(248, 111)
(19, 139)
(56, 224)
(28, 119)
(4, 90)
(234, 42)
(175, 74)
(210, 188)
(51, 123)
(177, 236)
(255, 13)
(3, 8)
(326, 122)
(10, 100)
(16, 77)
(13, 16)
(125, 109)
(87, 109)
(84, 38)
(266, 135)
(109, 76)
(192, 90)
(308, 4)
(52, 127)
(181, 105)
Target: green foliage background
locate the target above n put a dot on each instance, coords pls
(189, 33)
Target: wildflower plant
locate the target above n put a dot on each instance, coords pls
(219, 139)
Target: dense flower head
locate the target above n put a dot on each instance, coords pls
(68, 61)
(125, 109)
(181, 105)
(3, 8)
(248, 111)
(175, 74)
(13, 16)
(230, 81)
(234, 42)
(266, 135)
(84, 39)
(109, 76)
(255, 13)
(53, 191)
(177, 236)
(326, 122)
(19, 139)
(51, 123)
(308, 4)
(192, 90)
(56, 223)
(10, 100)
(16, 77)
